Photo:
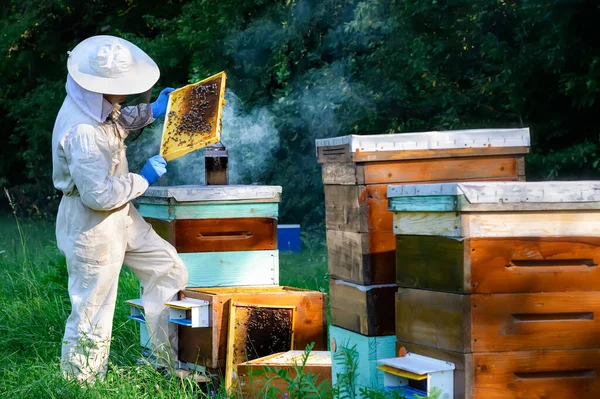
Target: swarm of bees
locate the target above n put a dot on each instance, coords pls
(269, 331)
(194, 121)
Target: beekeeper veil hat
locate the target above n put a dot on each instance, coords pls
(111, 65)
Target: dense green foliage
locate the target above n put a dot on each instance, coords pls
(325, 68)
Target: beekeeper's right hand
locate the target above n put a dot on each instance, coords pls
(154, 168)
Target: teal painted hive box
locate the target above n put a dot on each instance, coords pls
(363, 352)
(225, 235)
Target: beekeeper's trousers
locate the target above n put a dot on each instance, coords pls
(93, 293)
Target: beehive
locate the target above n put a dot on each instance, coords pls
(207, 346)
(356, 171)
(225, 235)
(501, 279)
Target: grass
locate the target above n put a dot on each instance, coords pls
(34, 306)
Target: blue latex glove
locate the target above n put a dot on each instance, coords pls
(154, 168)
(159, 107)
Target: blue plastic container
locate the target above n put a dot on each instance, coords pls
(288, 237)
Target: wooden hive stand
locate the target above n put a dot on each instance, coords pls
(356, 172)
(502, 280)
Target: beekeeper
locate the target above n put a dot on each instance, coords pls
(97, 229)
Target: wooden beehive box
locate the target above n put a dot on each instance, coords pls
(499, 279)
(360, 239)
(356, 171)
(363, 309)
(226, 235)
(207, 346)
(256, 377)
(560, 374)
(498, 237)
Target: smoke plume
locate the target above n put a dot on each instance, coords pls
(249, 136)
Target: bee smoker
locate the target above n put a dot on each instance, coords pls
(215, 162)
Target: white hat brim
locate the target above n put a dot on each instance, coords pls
(142, 75)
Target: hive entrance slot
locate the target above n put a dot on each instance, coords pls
(551, 265)
(226, 235)
(562, 374)
(540, 317)
(338, 150)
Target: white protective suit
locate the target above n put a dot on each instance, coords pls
(98, 231)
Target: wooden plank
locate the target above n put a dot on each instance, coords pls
(560, 374)
(209, 211)
(498, 322)
(357, 208)
(435, 319)
(463, 373)
(207, 346)
(345, 208)
(365, 350)
(256, 377)
(440, 169)
(216, 235)
(211, 269)
(443, 224)
(546, 264)
(343, 153)
(558, 320)
(374, 156)
(362, 309)
(362, 258)
(543, 195)
(342, 173)
(452, 203)
(433, 263)
(532, 224)
(437, 203)
(498, 265)
(498, 224)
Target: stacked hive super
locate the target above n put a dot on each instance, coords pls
(360, 239)
(502, 280)
(227, 238)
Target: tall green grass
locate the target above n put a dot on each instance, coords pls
(34, 306)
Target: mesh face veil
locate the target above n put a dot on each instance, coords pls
(135, 113)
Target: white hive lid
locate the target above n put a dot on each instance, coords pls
(197, 193)
(418, 364)
(505, 192)
(434, 140)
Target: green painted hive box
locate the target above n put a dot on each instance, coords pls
(225, 235)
